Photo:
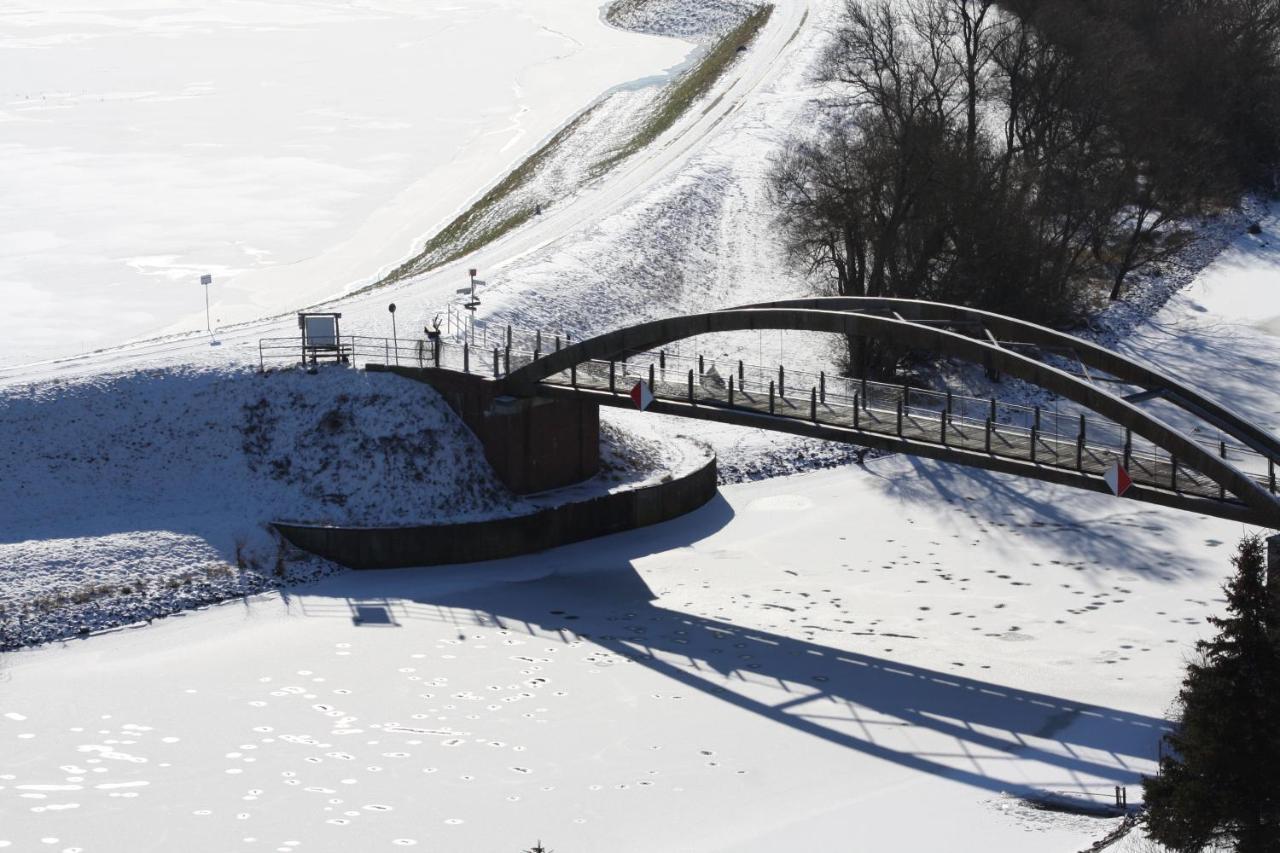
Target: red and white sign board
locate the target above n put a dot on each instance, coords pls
(1118, 479)
(641, 396)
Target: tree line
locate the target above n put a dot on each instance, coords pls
(1027, 157)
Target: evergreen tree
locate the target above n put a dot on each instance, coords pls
(1219, 779)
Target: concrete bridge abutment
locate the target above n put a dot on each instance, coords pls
(533, 443)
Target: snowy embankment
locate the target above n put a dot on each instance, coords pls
(130, 496)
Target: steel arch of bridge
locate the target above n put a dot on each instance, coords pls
(923, 326)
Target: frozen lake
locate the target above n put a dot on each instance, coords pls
(290, 149)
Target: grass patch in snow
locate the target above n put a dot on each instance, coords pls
(691, 85)
(483, 222)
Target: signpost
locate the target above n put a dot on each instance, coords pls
(207, 280)
(641, 395)
(1118, 479)
(473, 301)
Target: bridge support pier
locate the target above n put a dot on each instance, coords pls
(532, 443)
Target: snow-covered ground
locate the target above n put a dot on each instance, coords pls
(291, 148)
(888, 658)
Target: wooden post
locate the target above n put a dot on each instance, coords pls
(651, 385)
(537, 341)
(1271, 475)
(1034, 431)
(864, 392)
(557, 343)
(731, 389)
(495, 363)
(662, 359)
(813, 405)
(466, 357)
(993, 408)
(1173, 463)
(573, 375)
(508, 336)
(899, 419)
(1222, 451)
(1128, 446)
(822, 385)
(782, 384)
(508, 359)
(1037, 419)
(1080, 446)
(986, 438)
(943, 420)
(701, 366)
(611, 377)
(741, 373)
(771, 396)
(856, 403)
(691, 401)
(948, 402)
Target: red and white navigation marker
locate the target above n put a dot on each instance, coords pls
(1118, 479)
(641, 396)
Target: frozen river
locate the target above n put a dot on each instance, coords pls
(290, 149)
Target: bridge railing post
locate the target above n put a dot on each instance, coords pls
(771, 396)
(1222, 451)
(1080, 446)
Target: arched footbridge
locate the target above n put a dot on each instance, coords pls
(1188, 451)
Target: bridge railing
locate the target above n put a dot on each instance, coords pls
(1072, 439)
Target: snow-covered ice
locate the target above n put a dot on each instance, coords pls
(291, 149)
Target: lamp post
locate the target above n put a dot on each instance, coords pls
(394, 340)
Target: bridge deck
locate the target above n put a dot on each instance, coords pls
(880, 418)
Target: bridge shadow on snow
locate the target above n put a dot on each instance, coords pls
(873, 705)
